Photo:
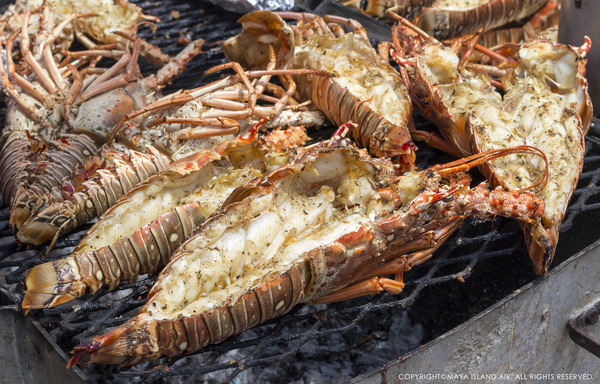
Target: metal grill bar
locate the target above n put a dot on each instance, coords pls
(496, 245)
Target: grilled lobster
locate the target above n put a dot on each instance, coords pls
(546, 104)
(321, 229)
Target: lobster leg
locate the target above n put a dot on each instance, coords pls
(177, 64)
(337, 29)
(355, 25)
(53, 68)
(482, 157)
(489, 69)
(131, 68)
(12, 91)
(435, 141)
(243, 77)
(237, 115)
(490, 53)
(285, 98)
(279, 91)
(300, 71)
(148, 51)
(89, 71)
(264, 80)
(395, 266)
(410, 25)
(218, 122)
(75, 88)
(243, 95)
(111, 53)
(75, 63)
(219, 126)
(22, 82)
(190, 133)
(31, 61)
(383, 50)
(164, 103)
(101, 85)
(112, 71)
(368, 287)
(469, 49)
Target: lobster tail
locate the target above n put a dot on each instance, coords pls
(52, 283)
(150, 247)
(42, 168)
(114, 347)
(541, 245)
(442, 23)
(143, 339)
(13, 162)
(104, 179)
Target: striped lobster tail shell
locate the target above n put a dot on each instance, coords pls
(545, 18)
(62, 211)
(118, 178)
(377, 8)
(147, 249)
(503, 36)
(29, 169)
(269, 300)
(445, 24)
(143, 252)
(379, 136)
(13, 164)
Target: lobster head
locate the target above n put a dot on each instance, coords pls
(263, 32)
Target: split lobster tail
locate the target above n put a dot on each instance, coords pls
(545, 101)
(150, 247)
(131, 343)
(89, 191)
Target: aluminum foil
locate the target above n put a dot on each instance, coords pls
(245, 6)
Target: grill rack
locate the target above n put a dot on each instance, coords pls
(475, 243)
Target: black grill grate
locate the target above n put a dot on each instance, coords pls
(495, 248)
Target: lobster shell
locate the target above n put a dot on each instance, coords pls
(466, 136)
(444, 24)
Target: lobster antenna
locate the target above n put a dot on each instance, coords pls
(463, 165)
(410, 25)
